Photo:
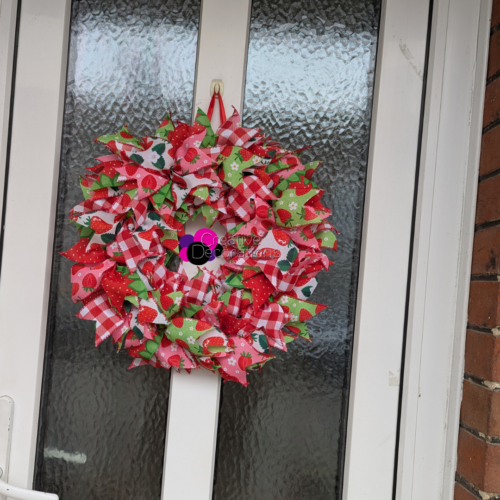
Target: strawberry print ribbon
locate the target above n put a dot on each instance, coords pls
(137, 200)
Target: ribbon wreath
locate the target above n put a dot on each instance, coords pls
(137, 201)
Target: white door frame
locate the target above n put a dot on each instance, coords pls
(444, 232)
(380, 318)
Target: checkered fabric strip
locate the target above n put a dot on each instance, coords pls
(241, 205)
(230, 222)
(99, 310)
(234, 303)
(220, 204)
(235, 137)
(308, 258)
(281, 282)
(118, 333)
(197, 288)
(118, 207)
(213, 153)
(88, 206)
(131, 249)
(252, 186)
(271, 318)
(140, 208)
(219, 285)
(156, 248)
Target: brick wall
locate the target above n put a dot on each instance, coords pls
(478, 466)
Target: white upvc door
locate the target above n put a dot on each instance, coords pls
(382, 290)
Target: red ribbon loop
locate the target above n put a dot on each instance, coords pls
(210, 112)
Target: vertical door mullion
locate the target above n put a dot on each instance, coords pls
(8, 19)
(194, 398)
(31, 197)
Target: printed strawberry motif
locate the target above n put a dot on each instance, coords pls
(178, 322)
(213, 341)
(203, 175)
(319, 308)
(207, 363)
(149, 184)
(281, 237)
(304, 315)
(126, 200)
(284, 215)
(293, 329)
(309, 173)
(74, 289)
(131, 170)
(261, 289)
(99, 194)
(227, 151)
(166, 302)
(99, 226)
(176, 361)
(245, 154)
(172, 222)
(302, 280)
(231, 325)
(147, 235)
(78, 253)
(146, 315)
(89, 282)
(170, 244)
(76, 268)
(245, 360)
(262, 176)
(262, 212)
(248, 273)
(125, 135)
(147, 268)
(192, 156)
(303, 190)
(202, 326)
(309, 214)
(181, 343)
(99, 266)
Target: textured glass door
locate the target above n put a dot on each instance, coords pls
(102, 427)
(309, 81)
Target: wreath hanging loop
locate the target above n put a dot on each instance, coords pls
(138, 199)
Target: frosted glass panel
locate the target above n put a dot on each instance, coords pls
(309, 82)
(102, 427)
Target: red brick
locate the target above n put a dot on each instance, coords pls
(486, 252)
(495, 14)
(482, 355)
(481, 409)
(462, 494)
(479, 462)
(490, 148)
(491, 103)
(488, 200)
(484, 307)
(494, 56)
